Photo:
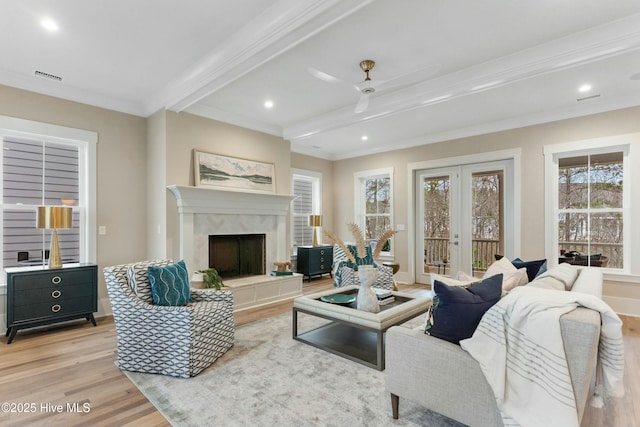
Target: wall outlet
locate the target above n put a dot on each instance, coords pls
(400, 227)
(102, 230)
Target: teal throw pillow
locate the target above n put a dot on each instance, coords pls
(170, 284)
(457, 310)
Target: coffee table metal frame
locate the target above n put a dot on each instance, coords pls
(354, 334)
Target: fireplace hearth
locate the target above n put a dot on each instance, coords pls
(237, 255)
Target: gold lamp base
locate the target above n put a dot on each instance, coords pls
(55, 260)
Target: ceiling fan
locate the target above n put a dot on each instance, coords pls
(367, 87)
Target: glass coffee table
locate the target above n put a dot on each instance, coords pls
(351, 333)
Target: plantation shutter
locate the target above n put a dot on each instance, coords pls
(302, 208)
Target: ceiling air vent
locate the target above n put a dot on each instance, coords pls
(47, 75)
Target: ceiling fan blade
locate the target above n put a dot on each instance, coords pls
(410, 78)
(363, 103)
(323, 76)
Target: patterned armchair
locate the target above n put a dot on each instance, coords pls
(345, 275)
(176, 341)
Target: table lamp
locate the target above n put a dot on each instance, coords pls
(54, 217)
(315, 221)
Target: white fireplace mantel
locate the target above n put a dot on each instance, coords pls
(206, 200)
(222, 210)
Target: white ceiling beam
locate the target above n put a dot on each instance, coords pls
(281, 27)
(595, 44)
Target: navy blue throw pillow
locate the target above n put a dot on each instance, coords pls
(170, 284)
(533, 267)
(457, 310)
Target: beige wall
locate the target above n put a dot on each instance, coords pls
(186, 132)
(324, 167)
(156, 192)
(121, 175)
(137, 158)
(530, 140)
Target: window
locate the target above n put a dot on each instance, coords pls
(306, 201)
(46, 165)
(590, 216)
(374, 204)
(37, 173)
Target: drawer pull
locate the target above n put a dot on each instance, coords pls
(321, 259)
(56, 280)
(56, 308)
(322, 267)
(322, 252)
(56, 294)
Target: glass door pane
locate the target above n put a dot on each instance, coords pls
(437, 223)
(486, 220)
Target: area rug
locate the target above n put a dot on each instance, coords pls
(269, 379)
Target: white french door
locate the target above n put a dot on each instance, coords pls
(462, 216)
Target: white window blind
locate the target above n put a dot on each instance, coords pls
(302, 208)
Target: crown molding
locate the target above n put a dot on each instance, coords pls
(612, 39)
(281, 27)
(70, 93)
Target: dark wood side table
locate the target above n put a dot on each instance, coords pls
(314, 260)
(39, 296)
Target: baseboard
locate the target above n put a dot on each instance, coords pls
(622, 305)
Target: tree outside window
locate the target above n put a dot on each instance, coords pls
(590, 208)
(374, 195)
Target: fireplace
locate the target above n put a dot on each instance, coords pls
(205, 212)
(237, 255)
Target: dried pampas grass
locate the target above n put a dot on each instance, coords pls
(356, 231)
(361, 246)
(381, 241)
(340, 243)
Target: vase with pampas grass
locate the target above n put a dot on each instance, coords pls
(363, 264)
(361, 257)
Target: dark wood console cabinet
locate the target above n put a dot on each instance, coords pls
(39, 296)
(315, 260)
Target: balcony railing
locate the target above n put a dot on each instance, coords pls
(437, 252)
(612, 251)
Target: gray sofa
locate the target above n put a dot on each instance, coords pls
(444, 378)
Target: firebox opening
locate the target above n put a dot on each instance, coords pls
(237, 255)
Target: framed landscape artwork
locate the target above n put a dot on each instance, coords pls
(231, 173)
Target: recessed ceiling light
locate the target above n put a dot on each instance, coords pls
(584, 88)
(268, 104)
(49, 24)
(364, 137)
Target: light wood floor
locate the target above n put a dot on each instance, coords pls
(73, 364)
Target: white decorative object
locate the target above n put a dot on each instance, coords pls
(197, 277)
(367, 299)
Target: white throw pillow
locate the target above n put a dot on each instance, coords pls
(564, 273)
(503, 265)
(509, 280)
(451, 281)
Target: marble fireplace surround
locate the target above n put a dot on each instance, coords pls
(204, 211)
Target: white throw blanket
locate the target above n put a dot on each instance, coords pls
(519, 346)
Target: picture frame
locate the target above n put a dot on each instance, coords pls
(232, 173)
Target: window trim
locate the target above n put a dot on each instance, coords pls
(316, 199)
(628, 145)
(87, 146)
(359, 203)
